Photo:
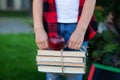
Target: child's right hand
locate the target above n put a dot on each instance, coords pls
(41, 39)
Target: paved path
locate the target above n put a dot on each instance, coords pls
(14, 25)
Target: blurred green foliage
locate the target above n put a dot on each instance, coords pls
(99, 15)
(105, 49)
(14, 14)
(110, 6)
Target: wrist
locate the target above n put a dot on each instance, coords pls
(38, 30)
(38, 27)
(80, 30)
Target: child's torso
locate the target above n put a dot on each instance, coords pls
(67, 10)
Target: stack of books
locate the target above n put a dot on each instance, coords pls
(73, 62)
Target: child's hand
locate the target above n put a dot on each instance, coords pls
(41, 39)
(76, 39)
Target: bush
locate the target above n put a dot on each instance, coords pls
(105, 49)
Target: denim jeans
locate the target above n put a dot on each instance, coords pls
(65, 30)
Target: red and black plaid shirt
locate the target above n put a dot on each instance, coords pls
(50, 19)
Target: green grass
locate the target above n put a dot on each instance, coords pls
(17, 58)
(14, 14)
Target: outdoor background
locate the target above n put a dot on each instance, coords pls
(17, 44)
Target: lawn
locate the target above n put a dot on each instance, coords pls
(10, 14)
(17, 57)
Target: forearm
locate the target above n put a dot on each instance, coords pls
(38, 14)
(41, 37)
(86, 15)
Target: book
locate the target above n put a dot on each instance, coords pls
(59, 64)
(54, 69)
(58, 53)
(59, 59)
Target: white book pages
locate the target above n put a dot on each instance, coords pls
(59, 64)
(58, 53)
(59, 69)
(58, 59)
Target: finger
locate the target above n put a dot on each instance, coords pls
(43, 45)
(46, 44)
(76, 46)
(79, 46)
(73, 45)
(39, 46)
(70, 44)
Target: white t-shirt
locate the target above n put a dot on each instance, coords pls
(67, 10)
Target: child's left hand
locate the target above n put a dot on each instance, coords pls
(76, 39)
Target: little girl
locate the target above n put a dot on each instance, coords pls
(71, 19)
